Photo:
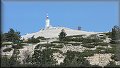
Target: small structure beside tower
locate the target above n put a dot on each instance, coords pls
(79, 28)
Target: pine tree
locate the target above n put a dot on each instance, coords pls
(62, 35)
(11, 35)
(33, 40)
(115, 33)
(43, 58)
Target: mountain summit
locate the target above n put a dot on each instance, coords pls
(52, 32)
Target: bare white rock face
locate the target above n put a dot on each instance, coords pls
(99, 59)
(9, 54)
(59, 57)
(53, 32)
(117, 62)
(72, 48)
(27, 50)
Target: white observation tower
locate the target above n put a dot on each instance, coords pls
(47, 22)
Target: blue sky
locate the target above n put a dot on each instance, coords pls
(28, 17)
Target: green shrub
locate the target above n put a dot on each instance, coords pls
(40, 37)
(22, 44)
(44, 57)
(103, 44)
(105, 50)
(75, 59)
(2, 45)
(49, 45)
(109, 34)
(81, 39)
(100, 50)
(112, 65)
(56, 51)
(5, 61)
(57, 42)
(114, 45)
(58, 46)
(77, 39)
(112, 42)
(95, 43)
(110, 50)
(75, 44)
(67, 39)
(103, 38)
(17, 46)
(88, 45)
(5, 45)
(33, 40)
(117, 52)
(65, 42)
(37, 46)
(114, 57)
(7, 50)
(88, 40)
(14, 58)
(44, 45)
(87, 53)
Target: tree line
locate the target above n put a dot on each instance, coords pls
(11, 36)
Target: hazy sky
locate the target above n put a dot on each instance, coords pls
(28, 17)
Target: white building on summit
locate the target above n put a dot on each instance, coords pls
(47, 22)
(53, 32)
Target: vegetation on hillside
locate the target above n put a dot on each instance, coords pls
(43, 53)
(33, 40)
(11, 36)
(75, 59)
(43, 58)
